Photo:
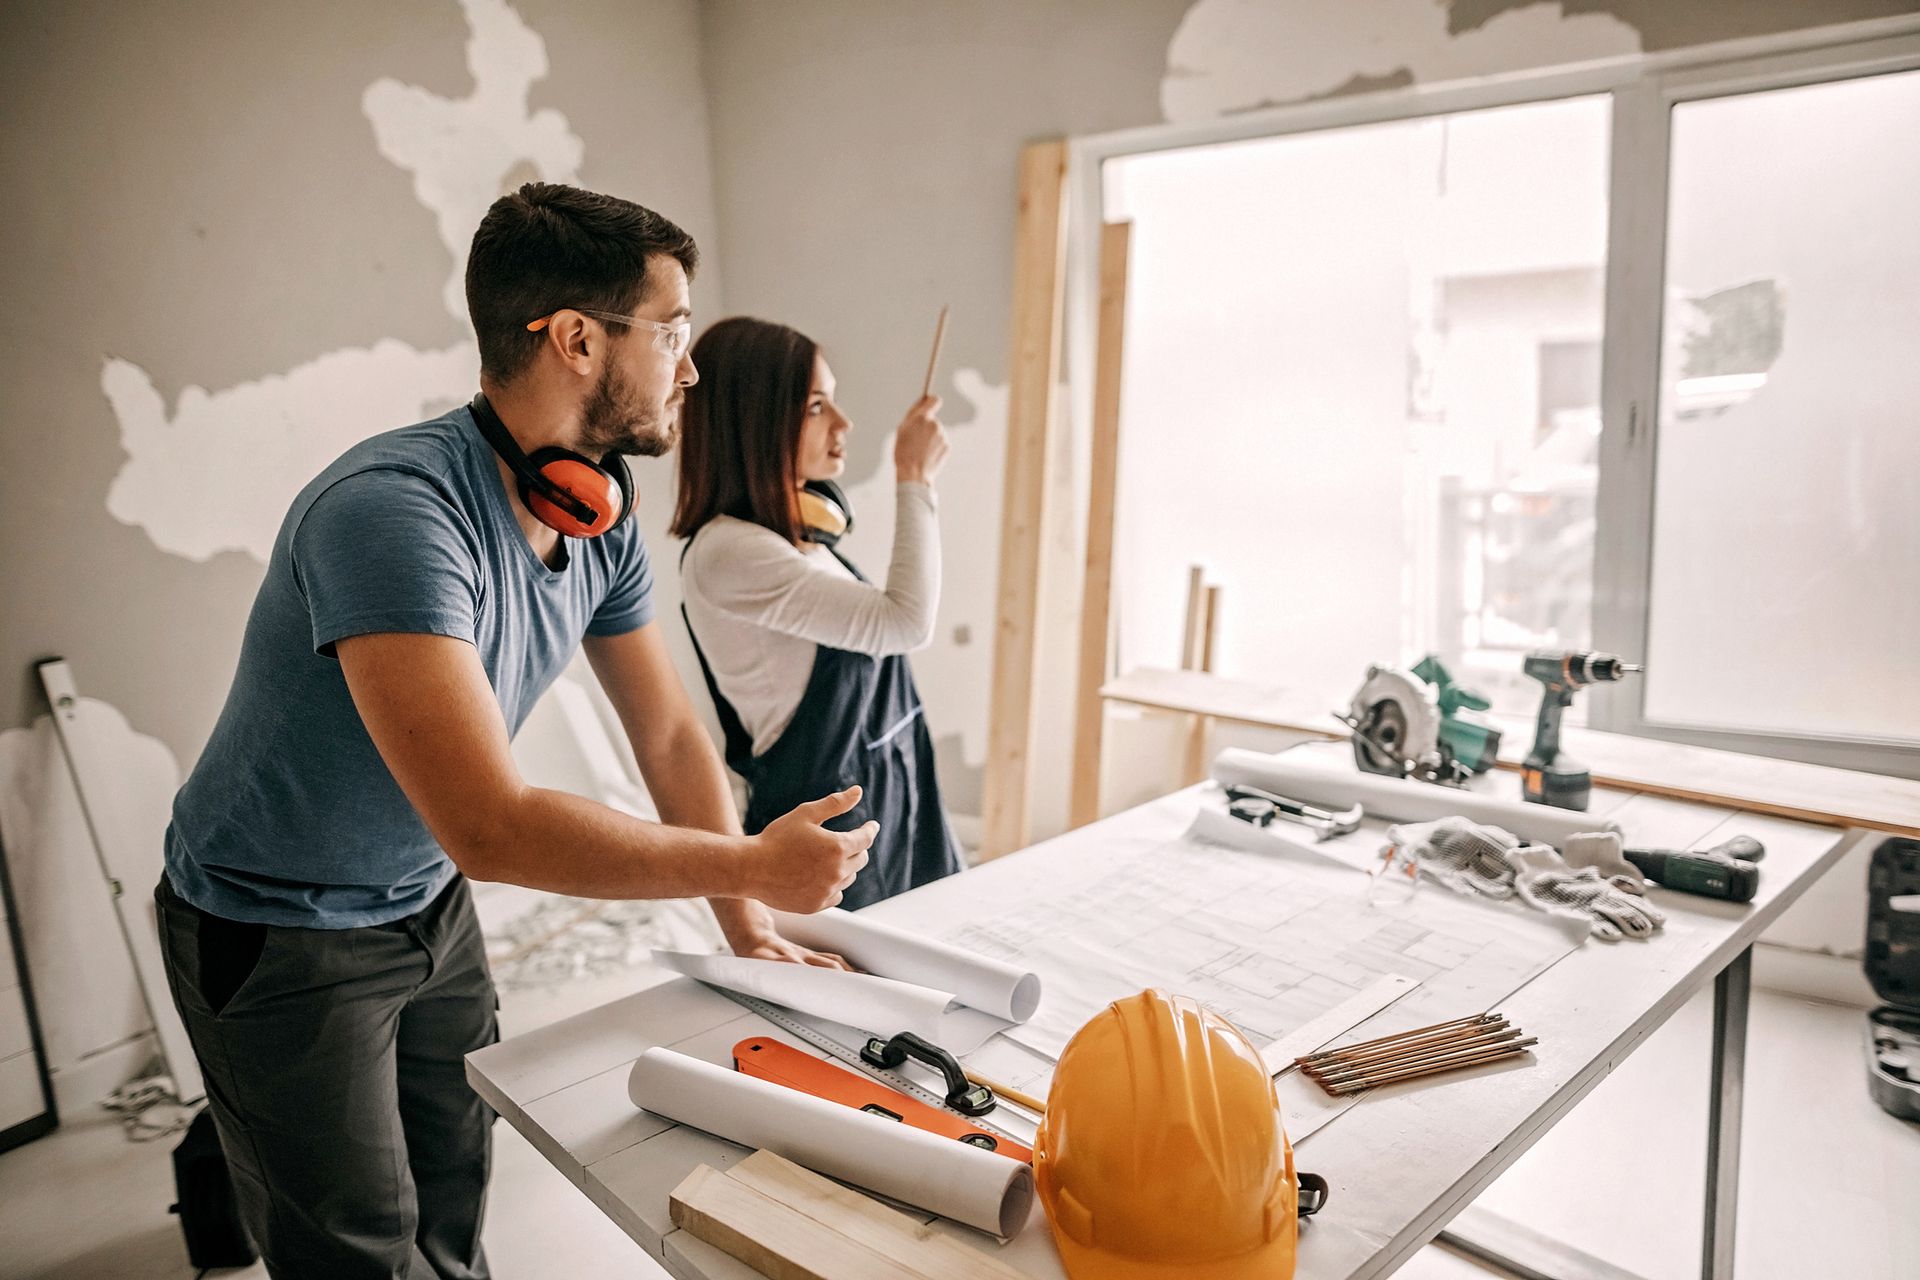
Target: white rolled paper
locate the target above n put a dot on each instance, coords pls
(991, 1192)
(1338, 785)
(980, 982)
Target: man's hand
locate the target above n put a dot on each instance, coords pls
(750, 932)
(796, 864)
(775, 947)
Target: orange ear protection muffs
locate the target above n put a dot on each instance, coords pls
(825, 514)
(564, 490)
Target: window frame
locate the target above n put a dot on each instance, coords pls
(1643, 91)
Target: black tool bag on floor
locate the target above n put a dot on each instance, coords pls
(209, 1217)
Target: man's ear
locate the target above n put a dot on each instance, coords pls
(569, 338)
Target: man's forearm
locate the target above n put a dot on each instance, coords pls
(564, 843)
(689, 787)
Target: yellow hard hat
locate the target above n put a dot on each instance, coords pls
(1162, 1153)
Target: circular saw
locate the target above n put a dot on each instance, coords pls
(1395, 718)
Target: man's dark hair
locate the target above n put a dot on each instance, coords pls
(740, 428)
(548, 246)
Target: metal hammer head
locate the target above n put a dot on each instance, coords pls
(1324, 823)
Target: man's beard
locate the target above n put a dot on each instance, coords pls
(614, 421)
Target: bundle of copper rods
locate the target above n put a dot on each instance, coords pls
(1424, 1051)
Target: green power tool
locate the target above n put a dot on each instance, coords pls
(1549, 775)
(1472, 739)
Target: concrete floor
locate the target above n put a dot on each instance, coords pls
(1828, 1181)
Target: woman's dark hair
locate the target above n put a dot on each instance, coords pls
(548, 246)
(741, 428)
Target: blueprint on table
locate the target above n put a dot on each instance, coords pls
(1269, 942)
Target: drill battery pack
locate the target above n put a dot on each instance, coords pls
(1893, 967)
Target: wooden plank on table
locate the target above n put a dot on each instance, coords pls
(1757, 784)
(779, 1242)
(1039, 280)
(914, 1244)
(1223, 698)
(1096, 608)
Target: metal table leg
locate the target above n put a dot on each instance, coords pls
(1730, 992)
(1528, 1255)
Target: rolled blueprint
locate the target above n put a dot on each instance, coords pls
(981, 982)
(952, 1179)
(1337, 785)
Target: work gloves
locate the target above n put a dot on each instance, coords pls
(1594, 885)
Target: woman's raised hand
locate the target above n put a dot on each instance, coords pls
(921, 446)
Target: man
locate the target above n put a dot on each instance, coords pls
(319, 934)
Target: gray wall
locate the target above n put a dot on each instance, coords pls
(195, 188)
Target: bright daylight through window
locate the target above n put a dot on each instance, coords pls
(1363, 389)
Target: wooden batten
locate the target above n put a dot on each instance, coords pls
(1039, 286)
(1096, 610)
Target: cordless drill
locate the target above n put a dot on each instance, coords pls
(1548, 776)
(1725, 871)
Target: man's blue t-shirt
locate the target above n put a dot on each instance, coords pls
(291, 817)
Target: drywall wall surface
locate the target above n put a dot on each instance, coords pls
(238, 251)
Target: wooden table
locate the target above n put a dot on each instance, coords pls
(1402, 1164)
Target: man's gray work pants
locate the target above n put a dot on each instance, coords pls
(333, 1063)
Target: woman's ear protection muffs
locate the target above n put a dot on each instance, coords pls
(565, 491)
(825, 514)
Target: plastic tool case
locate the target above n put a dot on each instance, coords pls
(1893, 967)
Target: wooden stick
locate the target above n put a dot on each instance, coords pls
(1416, 1044)
(933, 361)
(1492, 1055)
(1395, 1048)
(1196, 618)
(1398, 1035)
(1396, 1062)
(1209, 628)
(1033, 372)
(1008, 1092)
(1103, 468)
(1441, 1062)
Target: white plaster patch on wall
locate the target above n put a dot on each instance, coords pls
(83, 980)
(955, 678)
(460, 150)
(218, 472)
(1237, 55)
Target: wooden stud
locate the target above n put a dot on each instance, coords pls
(1203, 611)
(1209, 629)
(1039, 286)
(1096, 607)
(1196, 618)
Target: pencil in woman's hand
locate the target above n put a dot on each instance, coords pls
(933, 361)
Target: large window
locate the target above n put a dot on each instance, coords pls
(1367, 359)
(1363, 390)
(1785, 593)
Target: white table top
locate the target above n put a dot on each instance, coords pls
(1401, 1164)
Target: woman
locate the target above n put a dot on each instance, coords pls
(804, 657)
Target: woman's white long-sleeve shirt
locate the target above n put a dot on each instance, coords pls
(761, 607)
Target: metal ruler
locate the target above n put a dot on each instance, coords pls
(787, 1022)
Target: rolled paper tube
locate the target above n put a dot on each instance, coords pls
(1337, 784)
(949, 1178)
(977, 981)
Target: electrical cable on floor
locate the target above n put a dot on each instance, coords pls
(149, 1108)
